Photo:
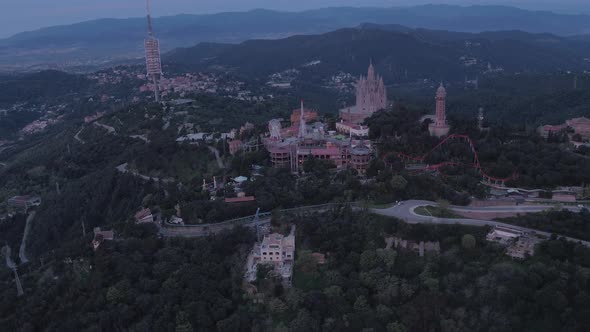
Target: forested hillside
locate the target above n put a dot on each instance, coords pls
(400, 54)
(144, 283)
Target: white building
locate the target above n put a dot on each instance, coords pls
(352, 129)
(276, 248)
(504, 235)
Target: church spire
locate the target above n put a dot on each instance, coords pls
(371, 73)
(302, 130)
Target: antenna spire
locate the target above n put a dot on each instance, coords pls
(149, 17)
(302, 122)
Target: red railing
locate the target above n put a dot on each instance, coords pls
(475, 164)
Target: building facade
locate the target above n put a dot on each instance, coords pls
(580, 126)
(351, 129)
(440, 127)
(24, 202)
(371, 96)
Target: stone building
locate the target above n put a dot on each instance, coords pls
(291, 148)
(275, 250)
(440, 127)
(371, 96)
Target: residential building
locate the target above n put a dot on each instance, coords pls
(518, 244)
(235, 147)
(24, 202)
(351, 129)
(144, 216)
(419, 247)
(580, 126)
(276, 250)
(100, 236)
(504, 235)
(242, 199)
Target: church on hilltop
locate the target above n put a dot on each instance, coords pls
(371, 96)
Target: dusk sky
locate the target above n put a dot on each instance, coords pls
(23, 15)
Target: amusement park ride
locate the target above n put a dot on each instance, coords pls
(422, 166)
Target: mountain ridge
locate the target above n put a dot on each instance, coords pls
(107, 39)
(397, 50)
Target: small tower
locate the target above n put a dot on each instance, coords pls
(440, 127)
(480, 118)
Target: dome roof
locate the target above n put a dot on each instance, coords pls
(361, 150)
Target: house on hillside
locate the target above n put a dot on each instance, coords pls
(518, 244)
(277, 251)
(421, 248)
(24, 202)
(144, 216)
(100, 236)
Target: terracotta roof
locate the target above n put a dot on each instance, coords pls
(143, 213)
(319, 257)
(240, 199)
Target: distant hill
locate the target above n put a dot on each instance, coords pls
(400, 53)
(111, 39)
(40, 87)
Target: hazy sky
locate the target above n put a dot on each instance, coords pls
(24, 15)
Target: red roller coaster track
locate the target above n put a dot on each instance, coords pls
(475, 164)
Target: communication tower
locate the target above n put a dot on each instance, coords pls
(152, 55)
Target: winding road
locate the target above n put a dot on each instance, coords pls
(23, 245)
(124, 168)
(9, 262)
(217, 157)
(406, 211)
(403, 210)
(77, 136)
(110, 129)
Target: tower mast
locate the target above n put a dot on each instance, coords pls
(152, 54)
(149, 18)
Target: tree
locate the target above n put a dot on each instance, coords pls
(277, 307)
(399, 183)
(182, 323)
(369, 260)
(396, 327)
(114, 295)
(468, 241)
(302, 322)
(388, 256)
(306, 262)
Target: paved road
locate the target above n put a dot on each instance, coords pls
(249, 221)
(9, 262)
(141, 137)
(110, 129)
(23, 244)
(217, 157)
(124, 168)
(204, 230)
(77, 136)
(405, 211)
